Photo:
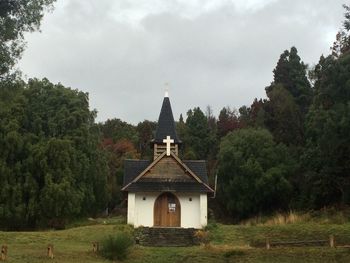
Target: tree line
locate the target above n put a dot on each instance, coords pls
(290, 150)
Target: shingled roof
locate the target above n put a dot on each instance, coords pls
(166, 124)
(133, 168)
(199, 168)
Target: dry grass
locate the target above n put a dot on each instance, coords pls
(291, 217)
(288, 218)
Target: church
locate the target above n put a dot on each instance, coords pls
(166, 191)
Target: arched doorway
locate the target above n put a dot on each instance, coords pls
(167, 211)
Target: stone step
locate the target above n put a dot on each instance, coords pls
(166, 236)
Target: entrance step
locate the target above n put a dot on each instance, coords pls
(166, 236)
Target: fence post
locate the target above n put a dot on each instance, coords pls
(3, 252)
(95, 247)
(267, 243)
(50, 251)
(331, 241)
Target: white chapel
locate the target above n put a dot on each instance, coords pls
(166, 191)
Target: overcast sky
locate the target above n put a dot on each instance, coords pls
(211, 52)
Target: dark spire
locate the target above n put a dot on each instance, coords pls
(166, 123)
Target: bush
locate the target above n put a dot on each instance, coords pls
(116, 247)
(202, 236)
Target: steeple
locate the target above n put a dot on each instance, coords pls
(166, 127)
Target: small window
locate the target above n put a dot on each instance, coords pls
(172, 207)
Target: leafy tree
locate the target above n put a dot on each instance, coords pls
(52, 169)
(253, 116)
(211, 119)
(253, 173)
(228, 121)
(116, 153)
(120, 141)
(117, 129)
(146, 131)
(16, 18)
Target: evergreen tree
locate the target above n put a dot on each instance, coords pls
(198, 135)
(290, 72)
(290, 95)
(283, 117)
(328, 142)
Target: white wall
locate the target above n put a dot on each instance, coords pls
(131, 208)
(144, 209)
(193, 213)
(190, 210)
(203, 203)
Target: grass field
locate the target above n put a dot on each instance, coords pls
(229, 243)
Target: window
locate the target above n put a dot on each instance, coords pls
(172, 207)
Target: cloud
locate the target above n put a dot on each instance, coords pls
(122, 52)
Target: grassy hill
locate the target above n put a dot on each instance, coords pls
(229, 243)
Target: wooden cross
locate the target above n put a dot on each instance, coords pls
(168, 142)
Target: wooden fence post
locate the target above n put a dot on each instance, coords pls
(50, 250)
(331, 241)
(95, 247)
(267, 243)
(3, 252)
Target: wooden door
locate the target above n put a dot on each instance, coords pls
(167, 211)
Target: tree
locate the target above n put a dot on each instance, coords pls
(290, 95)
(16, 18)
(228, 121)
(51, 167)
(253, 173)
(117, 129)
(253, 116)
(290, 72)
(198, 135)
(341, 44)
(283, 117)
(327, 129)
(116, 153)
(146, 131)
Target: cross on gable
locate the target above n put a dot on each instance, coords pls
(168, 142)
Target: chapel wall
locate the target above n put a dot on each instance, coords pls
(144, 204)
(193, 209)
(190, 210)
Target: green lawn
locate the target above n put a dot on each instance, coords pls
(230, 243)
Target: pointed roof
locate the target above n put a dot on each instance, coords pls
(166, 123)
(133, 177)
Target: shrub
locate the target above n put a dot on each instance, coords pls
(116, 247)
(202, 236)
